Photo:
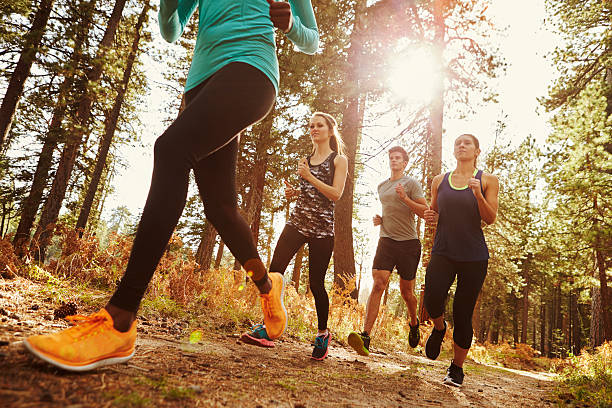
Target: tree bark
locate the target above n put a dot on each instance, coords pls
(53, 204)
(219, 256)
(515, 318)
(436, 115)
(597, 335)
(21, 73)
(542, 327)
(525, 302)
(110, 125)
(206, 247)
(344, 254)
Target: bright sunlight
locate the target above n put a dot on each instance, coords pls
(413, 75)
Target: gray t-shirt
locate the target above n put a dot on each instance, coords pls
(397, 217)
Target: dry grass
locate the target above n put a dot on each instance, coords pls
(224, 299)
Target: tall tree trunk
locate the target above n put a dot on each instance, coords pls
(297, 268)
(436, 115)
(525, 302)
(515, 317)
(606, 306)
(110, 125)
(45, 158)
(258, 175)
(219, 256)
(494, 333)
(53, 204)
(597, 335)
(542, 327)
(352, 118)
(17, 81)
(269, 241)
(206, 247)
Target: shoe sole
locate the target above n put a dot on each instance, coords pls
(326, 351)
(282, 301)
(354, 340)
(247, 338)
(448, 381)
(79, 368)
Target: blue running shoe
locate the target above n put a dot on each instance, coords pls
(321, 346)
(257, 337)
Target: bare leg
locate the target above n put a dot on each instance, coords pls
(381, 278)
(407, 290)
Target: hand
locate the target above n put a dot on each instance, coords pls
(474, 185)
(377, 219)
(431, 217)
(401, 193)
(280, 14)
(290, 191)
(304, 170)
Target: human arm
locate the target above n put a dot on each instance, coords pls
(333, 192)
(377, 220)
(418, 205)
(173, 16)
(431, 214)
(487, 202)
(296, 19)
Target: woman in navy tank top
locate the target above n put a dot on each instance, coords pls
(460, 201)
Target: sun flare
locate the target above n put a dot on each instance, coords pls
(413, 75)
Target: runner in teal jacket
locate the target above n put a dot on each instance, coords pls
(236, 30)
(232, 84)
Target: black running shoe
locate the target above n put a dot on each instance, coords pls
(321, 346)
(454, 375)
(360, 342)
(415, 335)
(434, 342)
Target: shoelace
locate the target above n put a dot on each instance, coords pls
(319, 342)
(85, 323)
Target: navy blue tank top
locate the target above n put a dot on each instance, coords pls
(459, 235)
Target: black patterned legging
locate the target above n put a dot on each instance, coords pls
(202, 138)
(319, 254)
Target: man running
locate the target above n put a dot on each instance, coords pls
(398, 247)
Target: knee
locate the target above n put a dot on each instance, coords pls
(462, 335)
(433, 305)
(163, 147)
(318, 289)
(379, 285)
(408, 295)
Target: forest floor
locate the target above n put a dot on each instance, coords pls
(220, 371)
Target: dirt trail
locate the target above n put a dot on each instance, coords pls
(221, 371)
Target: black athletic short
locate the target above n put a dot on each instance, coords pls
(405, 255)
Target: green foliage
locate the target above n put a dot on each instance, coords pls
(588, 379)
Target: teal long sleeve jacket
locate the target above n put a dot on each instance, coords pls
(236, 31)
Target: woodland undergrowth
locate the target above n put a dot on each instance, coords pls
(225, 300)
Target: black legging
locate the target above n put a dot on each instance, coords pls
(319, 254)
(202, 138)
(439, 277)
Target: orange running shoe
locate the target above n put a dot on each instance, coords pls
(92, 342)
(275, 315)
